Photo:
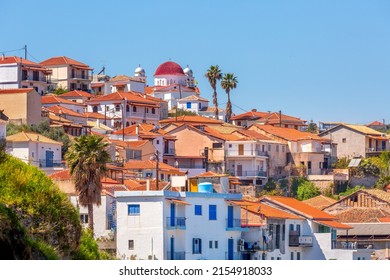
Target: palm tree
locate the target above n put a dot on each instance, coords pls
(229, 82)
(87, 158)
(214, 74)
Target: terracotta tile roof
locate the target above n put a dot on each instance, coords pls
(119, 78)
(363, 129)
(132, 98)
(267, 211)
(193, 98)
(320, 202)
(93, 124)
(210, 174)
(95, 85)
(16, 59)
(191, 120)
(250, 116)
(145, 131)
(31, 136)
(149, 164)
(211, 109)
(211, 131)
(62, 175)
(363, 215)
(57, 109)
(133, 184)
(52, 99)
(226, 128)
(95, 115)
(16, 90)
(107, 180)
(385, 196)
(288, 134)
(251, 134)
(376, 123)
(110, 189)
(76, 93)
(140, 185)
(129, 144)
(269, 118)
(63, 60)
(300, 208)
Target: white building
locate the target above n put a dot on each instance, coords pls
(37, 150)
(126, 108)
(16, 72)
(168, 225)
(52, 100)
(193, 103)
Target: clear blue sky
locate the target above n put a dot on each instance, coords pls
(320, 60)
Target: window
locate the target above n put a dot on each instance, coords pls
(32, 154)
(134, 109)
(196, 246)
(292, 255)
(157, 142)
(309, 165)
(188, 105)
(131, 244)
(283, 232)
(230, 145)
(95, 109)
(127, 108)
(210, 244)
(298, 255)
(133, 209)
(344, 140)
(216, 244)
(117, 108)
(291, 227)
(217, 145)
(84, 218)
(198, 210)
(278, 258)
(283, 148)
(277, 241)
(269, 148)
(277, 148)
(212, 212)
(153, 111)
(147, 110)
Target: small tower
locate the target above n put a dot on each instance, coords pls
(139, 72)
(189, 77)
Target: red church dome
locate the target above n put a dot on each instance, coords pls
(169, 68)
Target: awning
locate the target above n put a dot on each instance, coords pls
(333, 224)
(178, 201)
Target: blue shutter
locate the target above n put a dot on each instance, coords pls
(212, 212)
(193, 245)
(198, 210)
(188, 105)
(200, 246)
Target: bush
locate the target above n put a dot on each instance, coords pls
(307, 190)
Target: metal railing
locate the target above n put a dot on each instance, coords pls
(249, 173)
(32, 78)
(51, 163)
(176, 222)
(376, 149)
(82, 77)
(176, 256)
(245, 153)
(236, 224)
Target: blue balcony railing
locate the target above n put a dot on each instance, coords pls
(176, 223)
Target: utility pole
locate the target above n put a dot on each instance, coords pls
(280, 118)
(25, 51)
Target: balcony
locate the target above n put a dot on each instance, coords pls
(30, 78)
(246, 153)
(51, 163)
(169, 152)
(177, 256)
(236, 224)
(297, 240)
(81, 77)
(176, 223)
(249, 173)
(376, 149)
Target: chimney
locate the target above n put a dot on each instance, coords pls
(137, 129)
(147, 185)
(97, 123)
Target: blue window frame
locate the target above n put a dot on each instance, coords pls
(133, 209)
(198, 210)
(196, 246)
(212, 212)
(188, 105)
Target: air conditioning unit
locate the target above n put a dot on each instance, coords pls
(241, 241)
(241, 248)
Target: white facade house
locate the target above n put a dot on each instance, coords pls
(16, 72)
(192, 103)
(37, 150)
(52, 100)
(168, 225)
(126, 108)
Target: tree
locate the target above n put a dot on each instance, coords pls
(87, 158)
(214, 74)
(307, 190)
(60, 90)
(229, 82)
(312, 127)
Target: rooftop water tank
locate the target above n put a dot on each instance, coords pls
(205, 187)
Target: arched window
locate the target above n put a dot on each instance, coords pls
(95, 109)
(153, 111)
(134, 109)
(127, 108)
(117, 108)
(127, 124)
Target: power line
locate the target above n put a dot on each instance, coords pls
(12, 50)
(32, 57)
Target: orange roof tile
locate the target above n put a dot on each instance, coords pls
(269, 118)
(57, 109)
(131, 97)
(95, 115)
(363, 215)
(76, 93)
(16, 90)
(52, 99)
(191, 120)
(288, 134)
(16, 59)
(251, 134)
(94, 85)
(320, 201)
(300, 207)
(145, 131)
(210, 174)
(149, 164)
(63, 60)
(62, 175)
(129, 144)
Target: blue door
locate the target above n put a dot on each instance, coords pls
(230, 217)
(172, 254)
(173, 211)
(49, 158)
(230, 248)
